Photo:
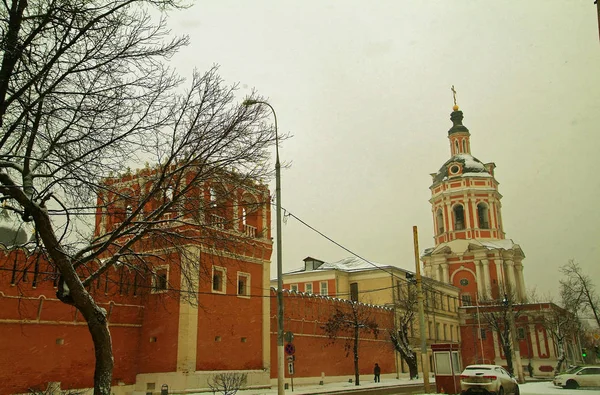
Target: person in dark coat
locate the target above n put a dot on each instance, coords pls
(377, 372)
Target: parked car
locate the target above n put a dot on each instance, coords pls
(487, 379)
(581, 376)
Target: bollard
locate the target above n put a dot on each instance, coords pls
(322, 382)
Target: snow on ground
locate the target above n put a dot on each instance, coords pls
(547, 388)
(529, 388)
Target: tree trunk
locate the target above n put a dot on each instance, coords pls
(561, 355)
(71, 291)
(413, 368)
(508, 355)
(356, 371)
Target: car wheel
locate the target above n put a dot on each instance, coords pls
(517, 391)
(572, 384)
(501, 391)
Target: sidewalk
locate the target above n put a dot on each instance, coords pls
(330, 388)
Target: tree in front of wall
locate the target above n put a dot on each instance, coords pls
(406, 307)
(85, 92)
(349, 320)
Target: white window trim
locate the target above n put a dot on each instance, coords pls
(294, 286)
(248, 277)
(306, 288)
(223, 281)
(157, 269)
(321, 288)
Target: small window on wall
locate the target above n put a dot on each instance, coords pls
(218, 279)
(308, 288)
(243, 284)
(294, 287)
(354, 292)
(160, 280)
(466, 299)
(324, 288)
(521, 333)
(482, 334)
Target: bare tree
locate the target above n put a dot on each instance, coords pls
(562, 323)
(349, 320)
(85, 93)
(406, 307)
(228, 383)
(579, 289)
(499, 316)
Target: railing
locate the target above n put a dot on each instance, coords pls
(217, 221)
(249, 230)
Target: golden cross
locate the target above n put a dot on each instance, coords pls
(453, 94)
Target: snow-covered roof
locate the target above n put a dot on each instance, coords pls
(471, 167)
(351, 264)
(460, 246)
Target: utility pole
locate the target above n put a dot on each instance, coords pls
(424, 357)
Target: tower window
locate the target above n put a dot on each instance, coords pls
(464, 146)
(459, 217)
(482, 216)
(440, 221)
(456, 149)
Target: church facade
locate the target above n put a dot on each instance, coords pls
(472, 253)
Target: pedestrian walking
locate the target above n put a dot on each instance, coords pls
(377, 373)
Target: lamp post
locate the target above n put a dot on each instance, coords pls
(280, 354)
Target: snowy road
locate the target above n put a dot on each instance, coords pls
(547, 388)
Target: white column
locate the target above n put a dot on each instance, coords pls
(445, 273)
(486, 278)
(500, 274)
(436, 271)
(450, 217)
(467, 213)
(534, 345)
(478, 279)
(521, 281)
(187, 334)
(497, 353)
(510, 269)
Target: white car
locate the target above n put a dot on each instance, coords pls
(487, 379)
(581, 376)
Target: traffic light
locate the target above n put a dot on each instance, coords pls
(583, 353)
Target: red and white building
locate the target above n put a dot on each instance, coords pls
(471, 252)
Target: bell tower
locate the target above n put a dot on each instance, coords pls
(471, 251)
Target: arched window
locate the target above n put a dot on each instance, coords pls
(456, 149)
(250, 216)
(459, 217)
(439, 217)
(464, 146)
(483, 216)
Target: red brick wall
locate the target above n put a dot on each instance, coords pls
(230, 326)
(315, 352)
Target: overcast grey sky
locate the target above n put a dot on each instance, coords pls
(364, 87)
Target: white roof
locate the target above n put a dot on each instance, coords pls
(460, 246)
(351, 264)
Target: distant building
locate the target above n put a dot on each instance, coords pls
(376, 284)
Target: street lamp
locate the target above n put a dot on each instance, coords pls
(280, 354)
